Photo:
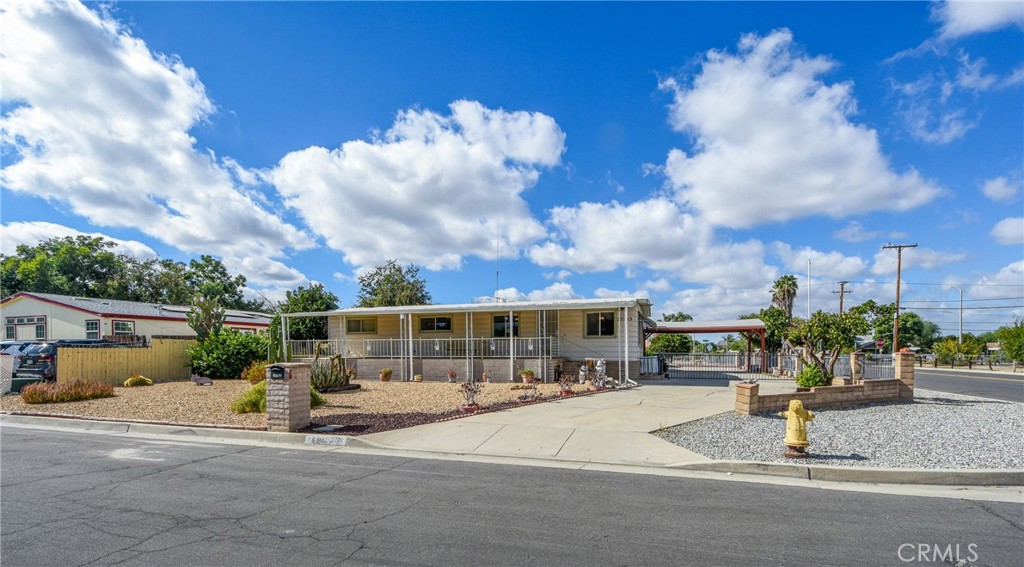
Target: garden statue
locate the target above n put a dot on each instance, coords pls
(796, 429)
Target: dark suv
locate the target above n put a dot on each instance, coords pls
(38, 360)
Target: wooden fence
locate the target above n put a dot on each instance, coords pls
(165, 360)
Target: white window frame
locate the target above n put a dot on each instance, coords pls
(599, 335)
(362, 326)
(95, 333)
(118, 333)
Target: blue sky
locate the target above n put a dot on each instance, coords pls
(687, 152)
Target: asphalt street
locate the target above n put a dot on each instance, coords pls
(999, 386)
(72, 498)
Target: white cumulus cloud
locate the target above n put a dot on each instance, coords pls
(926, 258)
(654, 234)
(1001, 189)
(554, 292)
(774, 142)
(1009, 231)
(101, 123)
(432, 190)
(832, 264)
(960, 18)
(14, 234)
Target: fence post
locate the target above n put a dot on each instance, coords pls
(904, 372)
(856, 367)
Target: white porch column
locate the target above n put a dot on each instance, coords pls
(511, 347)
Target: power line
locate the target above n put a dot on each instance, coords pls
(966, 308)
(965, 301)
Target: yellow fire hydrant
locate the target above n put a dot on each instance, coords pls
(796, 429)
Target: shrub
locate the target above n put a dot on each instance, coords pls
(137, 380)
(73, 391)
(810, 377)
(255, 400)
(227, 354)
(255, 372)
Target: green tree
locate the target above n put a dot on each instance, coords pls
(304, 300)
(918, 332)
(784, 293)
(671, 342)
(824, 336)
(776, 325)
(71, 265)
(1011, 340)
(880, 319)
(209, 277)
(392, 284)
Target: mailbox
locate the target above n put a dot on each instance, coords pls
(277, 372)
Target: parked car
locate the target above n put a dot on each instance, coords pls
(38, 360)
(14, 349)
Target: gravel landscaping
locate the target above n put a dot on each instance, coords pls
(375, 406)
(936, 431)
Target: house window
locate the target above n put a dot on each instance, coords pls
(41, 331)
(363, 325)
(92, 329)
(442, 323)
(501, 326)
(9, 332)
(600, 324)
(124, 328)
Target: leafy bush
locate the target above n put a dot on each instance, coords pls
(255, 400)
(255, 372)
(810, 377)
(73, 391)
(137, 380)
(227, 354)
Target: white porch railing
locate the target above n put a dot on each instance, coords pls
(447, 347)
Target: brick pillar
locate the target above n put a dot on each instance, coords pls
(287, 396)
(856, 367)
(904, 368)
(746, 398)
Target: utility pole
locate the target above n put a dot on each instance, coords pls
(899, 266)
(842, 291)
(960, 330)
(808, 289)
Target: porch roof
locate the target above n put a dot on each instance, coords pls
(697, 327)
(552, 305)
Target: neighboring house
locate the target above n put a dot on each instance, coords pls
(499, 338)
(46, 316)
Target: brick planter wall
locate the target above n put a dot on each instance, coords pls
(749, 401)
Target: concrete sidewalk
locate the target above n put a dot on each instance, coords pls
(610, 427)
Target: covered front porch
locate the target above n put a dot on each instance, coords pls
(498, 338)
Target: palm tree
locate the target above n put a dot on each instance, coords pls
(783, 294)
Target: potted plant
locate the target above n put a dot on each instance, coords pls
(527, 375)
(452, 375)
(385, 374)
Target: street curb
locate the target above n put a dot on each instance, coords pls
(979, 477)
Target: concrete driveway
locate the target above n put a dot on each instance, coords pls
(611, 427)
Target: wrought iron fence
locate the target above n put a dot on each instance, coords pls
(726, 366)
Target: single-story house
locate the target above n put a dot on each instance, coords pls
(47, 316)
(500, 338)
